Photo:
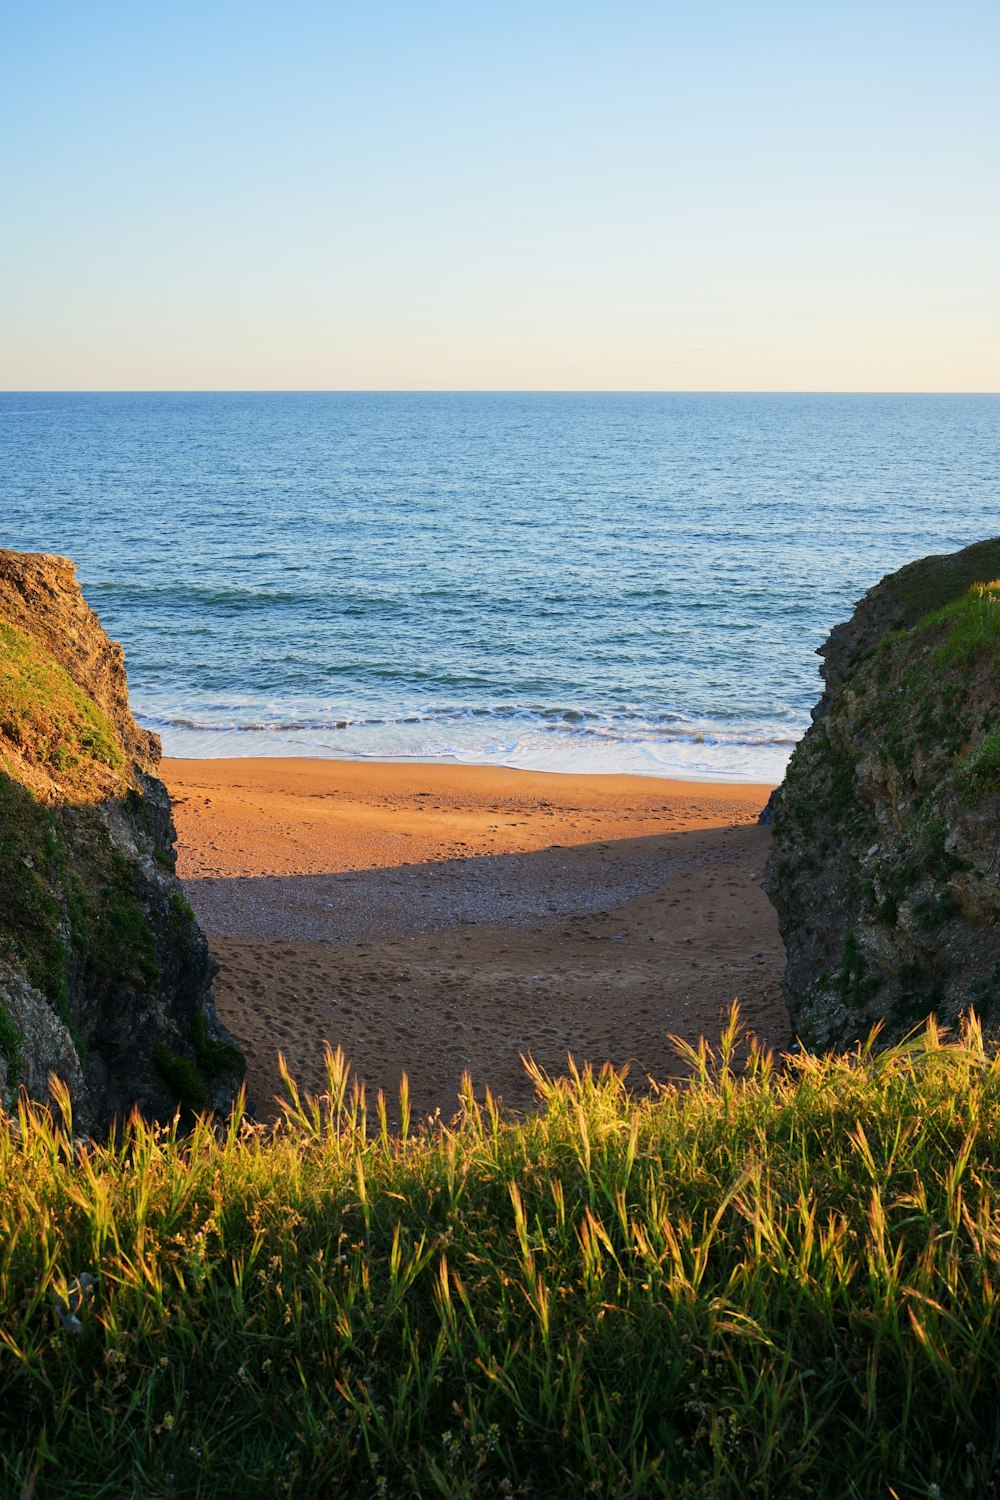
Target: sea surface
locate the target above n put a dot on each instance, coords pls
(567, 582)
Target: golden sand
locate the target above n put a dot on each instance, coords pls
(437, 918)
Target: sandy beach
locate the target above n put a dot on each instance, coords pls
(435, 918)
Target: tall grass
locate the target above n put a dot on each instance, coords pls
(779, 1280)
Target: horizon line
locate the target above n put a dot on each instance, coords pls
(467, 391)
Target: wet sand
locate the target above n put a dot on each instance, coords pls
(439, 918)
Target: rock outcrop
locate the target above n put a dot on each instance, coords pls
(105, 976)
(885, 863)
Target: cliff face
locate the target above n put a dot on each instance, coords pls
(105, 976)
(885, 863)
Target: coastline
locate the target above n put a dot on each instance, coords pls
(436, 917)
(709, 754)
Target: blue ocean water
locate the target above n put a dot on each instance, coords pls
(588, 582)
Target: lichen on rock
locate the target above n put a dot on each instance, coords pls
(105, 976)
(885, 861)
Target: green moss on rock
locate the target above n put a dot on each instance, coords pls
(190, 1078)
(123, 942)
(215, 1056)
(11, 1042)
(32, 861)
(185, 1080)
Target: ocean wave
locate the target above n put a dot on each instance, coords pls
(454, 729)
(237, 598)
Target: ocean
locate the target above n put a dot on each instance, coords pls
(578, 582)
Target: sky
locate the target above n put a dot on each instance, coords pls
(537, 196)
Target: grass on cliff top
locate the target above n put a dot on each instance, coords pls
(935, 582)
(49, 720)
(779, 1282)
(930, 677)
(971, 625)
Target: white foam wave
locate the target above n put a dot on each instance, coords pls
(750, 752)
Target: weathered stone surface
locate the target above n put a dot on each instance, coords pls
(105, 977)
(885, 862)
(44, 1045)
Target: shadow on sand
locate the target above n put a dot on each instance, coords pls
(598, 950)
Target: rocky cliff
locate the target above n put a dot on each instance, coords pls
(105, 976)
(885, 864)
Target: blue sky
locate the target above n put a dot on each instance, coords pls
(544, 196)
